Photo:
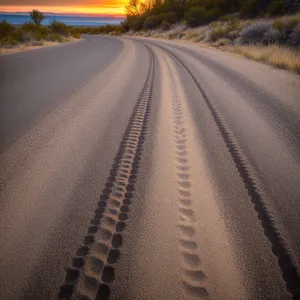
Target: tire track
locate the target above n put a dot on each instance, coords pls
(92, 268)
(193, 275)
(279, 245)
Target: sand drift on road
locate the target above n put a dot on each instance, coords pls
(148, 170)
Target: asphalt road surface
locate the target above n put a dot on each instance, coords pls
(141, 169)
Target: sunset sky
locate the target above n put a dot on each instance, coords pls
(103, 7)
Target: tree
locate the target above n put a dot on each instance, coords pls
(151, 22)
(37, 17)
(6, 29)
(132, 8)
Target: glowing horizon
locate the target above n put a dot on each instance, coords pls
(105, 9)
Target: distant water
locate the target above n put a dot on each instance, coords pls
(72, 20)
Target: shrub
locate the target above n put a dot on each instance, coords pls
(135, 22)
(195, 34)
(216, 33)
(44, 31)
(223, 42)
(29, 26)
(8, 42)
(234, 25)
(165, 25)
(75, 32)
(294, 37)
(27, 37)
(23, 36)
(37, 17)
(6, 29)
(41, 33)
(233, 34)
(285, 25)
(230, 31)
(169, 17)
(274, 35)
(226, 18)
(215, 24)
(54, 37)
(151, 22)
(197, 16)
(276, 7)
(291, 23)
(59, 27)
(37, 43)
(255, 33)
(249, 8)
(76, 35)
(279, 24)
(39, 37)
(173, 35)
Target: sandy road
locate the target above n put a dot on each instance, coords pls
(172, 172)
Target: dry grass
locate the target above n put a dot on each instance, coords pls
(194, 34)
(26, 47)
(33, 45)
(275, 55)
(225, 34)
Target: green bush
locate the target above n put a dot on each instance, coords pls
(135, 22)
(230, 31)
(8, 42)
(41, 33)
(276, 7)
(168, 17)
(165, 25)
(194, 34)
(106, 29)
(23, 36)
(43, 30)
(279, 24)
(59, 27)
(54, 37)
(218, 33)
(17, 35)
(291, 23)
(197, 16)
(29, 26)
(234, 24)
(27, 33)
(76, 34)
(173, 35)
(151, 22)
(6, 29)
(27, 37)
(225, 18)
(215, 24)
(249, 8)
(223, 42)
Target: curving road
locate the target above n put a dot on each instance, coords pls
(146, 169)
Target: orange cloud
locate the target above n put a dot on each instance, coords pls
(113, 8)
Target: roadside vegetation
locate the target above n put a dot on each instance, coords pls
(264, 30)
(272, 40)
(34, 33)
